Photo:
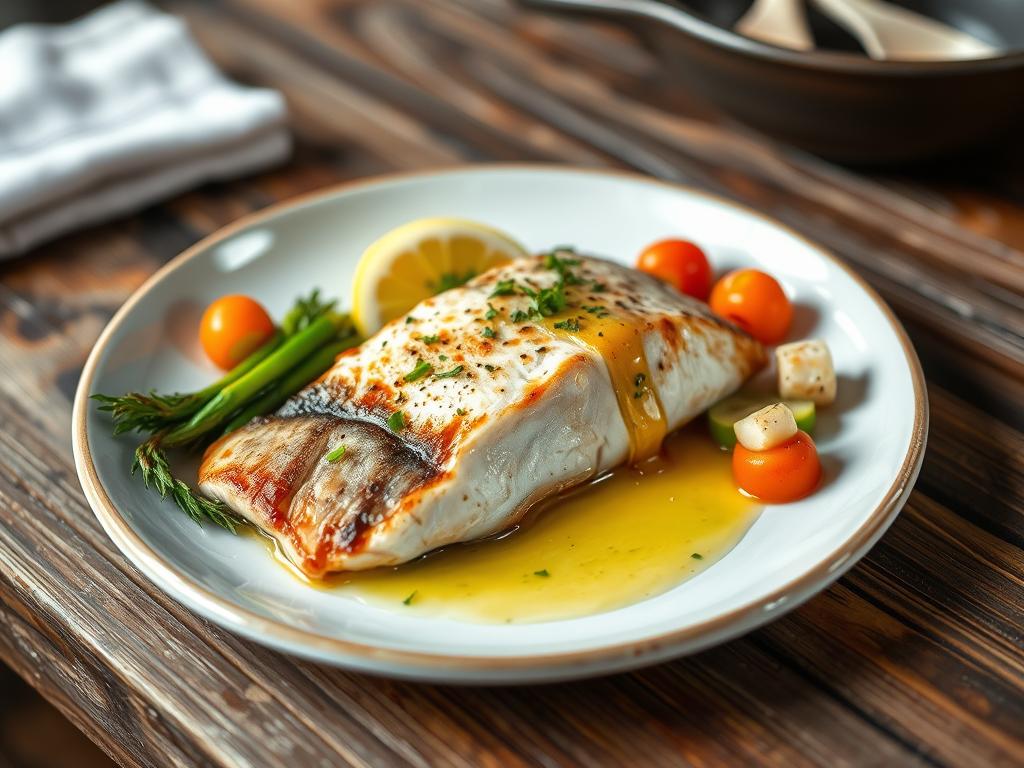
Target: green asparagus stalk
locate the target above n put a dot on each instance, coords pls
(153, 412)
(308, 370)
(292, 352)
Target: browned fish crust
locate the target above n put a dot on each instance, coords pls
(395, 473)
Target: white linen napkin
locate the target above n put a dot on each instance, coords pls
(107, 114)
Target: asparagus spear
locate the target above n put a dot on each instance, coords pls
(154, 412)
(293, 351)
(307, 371)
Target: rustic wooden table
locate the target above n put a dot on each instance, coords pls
(914, 657)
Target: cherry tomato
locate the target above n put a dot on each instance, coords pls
(679, 263)
(755, 302)
(784, 473)
(232, 328)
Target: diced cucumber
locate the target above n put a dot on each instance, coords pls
(723, 415)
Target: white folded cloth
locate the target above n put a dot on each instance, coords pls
(114, 111)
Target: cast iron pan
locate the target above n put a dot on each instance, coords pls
(835, 101)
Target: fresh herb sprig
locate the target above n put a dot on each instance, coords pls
(305, 311)
(151, 462)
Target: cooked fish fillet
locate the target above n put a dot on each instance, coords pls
(500, 407)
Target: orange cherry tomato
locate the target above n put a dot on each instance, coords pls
(679, 263)
(232, 328)
(755, 302)
(784, 473)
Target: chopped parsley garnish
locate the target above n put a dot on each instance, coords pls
(430, 339)
(569, 324)
(422, 369)
(488, 332)
(460, 411)
(639, 382)
(408, 600)
(597, 287)
(489, 367)
(553, 261)
(543, 573)
(562, 267)
(450, 374)
(491, 312)
(504, 288)
(410, 319)
(451, 280)
(442, 358)
(336, 454)
(396, 421)
(697, 556)
(547, 301)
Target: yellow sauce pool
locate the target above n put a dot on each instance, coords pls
(631, 535)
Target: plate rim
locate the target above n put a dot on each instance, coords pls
(433, 665)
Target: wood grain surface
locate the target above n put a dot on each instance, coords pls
(913, 658)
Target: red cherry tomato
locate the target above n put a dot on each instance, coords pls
(784, 473)
(232, 328)
(755, 302)
(679, 263)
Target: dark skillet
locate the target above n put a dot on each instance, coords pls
(834, 101)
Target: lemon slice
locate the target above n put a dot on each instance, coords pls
(421, 259)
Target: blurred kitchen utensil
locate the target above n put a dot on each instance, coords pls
(777, 22)
(888, 31)
(840, 105)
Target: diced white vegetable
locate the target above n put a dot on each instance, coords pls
(806, 372)
(767, 428)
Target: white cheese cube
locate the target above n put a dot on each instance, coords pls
(771, 426)
(806, 372)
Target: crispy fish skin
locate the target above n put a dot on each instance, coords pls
(509, 413)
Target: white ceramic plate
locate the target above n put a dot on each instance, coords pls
(872, 441)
